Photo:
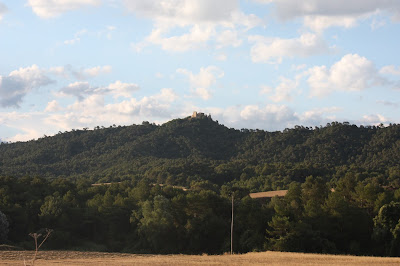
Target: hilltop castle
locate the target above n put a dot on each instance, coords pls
(197, 115)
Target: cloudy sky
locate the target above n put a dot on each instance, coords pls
(266, 64)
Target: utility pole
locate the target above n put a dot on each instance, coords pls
(232, 228)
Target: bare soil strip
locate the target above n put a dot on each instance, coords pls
(262, 258)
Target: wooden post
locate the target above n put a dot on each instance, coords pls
(232, 228)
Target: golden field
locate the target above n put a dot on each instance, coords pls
(261, 258)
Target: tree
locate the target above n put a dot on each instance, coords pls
(157, 225)
(3, 227)
(387, 228)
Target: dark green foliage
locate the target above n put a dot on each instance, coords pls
(3, 228)
(168, 188)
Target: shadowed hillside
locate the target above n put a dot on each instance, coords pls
(135, 149)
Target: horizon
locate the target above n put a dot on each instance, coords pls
(258, 64)
(98, 127)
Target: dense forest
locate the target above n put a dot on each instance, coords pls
(167, 189)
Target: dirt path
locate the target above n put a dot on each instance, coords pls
(262, 258)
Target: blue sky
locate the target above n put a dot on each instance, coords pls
(266, 64)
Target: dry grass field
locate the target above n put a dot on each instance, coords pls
(262, 258)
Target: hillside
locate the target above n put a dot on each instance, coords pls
(197, 145)
(343, 186)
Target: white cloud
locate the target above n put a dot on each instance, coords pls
(319, 116)
(200, 82)
(53, 106)
(319, 23)
(273, 50)
(391, 70)
(81, 74)
(285, 91)
(53, 8)
(272, 117)
(3, 10)
(98, 70)
(267, 114)
(374, 119)
(203, 93)
(20, 82)
(205, 78)
(122, 89)
(79, 89)
(288, 9)
(228, 38)
(82, 89)
(197, 37)
(201, 21)
(351, 73)
(93, 111)
(185, 12)
(319, 14)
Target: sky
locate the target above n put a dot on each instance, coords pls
(257, 64)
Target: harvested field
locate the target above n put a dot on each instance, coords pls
(262, 258)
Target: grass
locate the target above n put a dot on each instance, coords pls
(261, 258)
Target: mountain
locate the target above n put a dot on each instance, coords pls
(199, 148)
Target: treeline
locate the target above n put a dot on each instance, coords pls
(171, 187)
(109, 154)
(344, 216)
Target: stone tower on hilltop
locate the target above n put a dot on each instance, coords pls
(197, 115)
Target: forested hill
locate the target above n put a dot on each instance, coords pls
(188, 149)
(343, 186)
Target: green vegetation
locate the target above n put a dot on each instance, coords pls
(343, 181)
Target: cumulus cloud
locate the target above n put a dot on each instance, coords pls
(54, 8)
(201, 21)
(351, 73)
(288, 9)
(119, 89)
(391, 70)
(273, 50)
(96, 71)
(20, 82)
(200, 82)
(319, 116)
(79, 89)
(197, 37)
(319, 15)
(3, 10)
(272, 117)
(205, 78)
(187, 12)
(81, 74)
(285, 91)
(228, 38)
(53, 106)
(93, 111)
(319, 23)
(269, 114)
(374, 119)
(82, 89)
(202, 93)
(28, 125)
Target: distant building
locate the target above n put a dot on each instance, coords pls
(197, 115)
(268, 194)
